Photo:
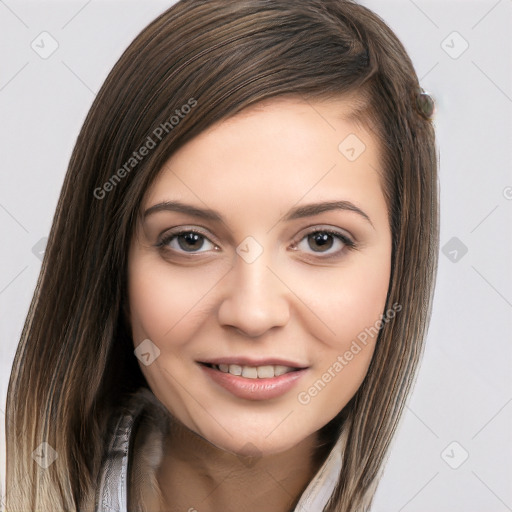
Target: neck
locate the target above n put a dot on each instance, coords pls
(196, 475)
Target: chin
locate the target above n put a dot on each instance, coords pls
(254, 442)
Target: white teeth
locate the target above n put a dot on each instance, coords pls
(250, 372)
(235, 369)
(281, 370)
(265, 372)
(254, 372)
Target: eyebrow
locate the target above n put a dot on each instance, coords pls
(295, 213)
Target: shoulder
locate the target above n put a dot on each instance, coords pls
(133, 451)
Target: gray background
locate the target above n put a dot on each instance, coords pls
(461, 406)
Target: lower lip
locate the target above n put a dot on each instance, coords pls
(254, 389)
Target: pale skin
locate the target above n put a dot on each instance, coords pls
(298, 300)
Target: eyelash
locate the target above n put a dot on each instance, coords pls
(348, 244)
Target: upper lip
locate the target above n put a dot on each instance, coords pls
(247, 361)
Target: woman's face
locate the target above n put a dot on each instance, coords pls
(264, 250)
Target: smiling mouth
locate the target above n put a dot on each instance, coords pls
(253, 372)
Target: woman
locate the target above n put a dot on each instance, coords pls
(239, 276)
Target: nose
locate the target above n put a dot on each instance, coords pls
(255, 299)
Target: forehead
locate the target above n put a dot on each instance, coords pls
(275, 154)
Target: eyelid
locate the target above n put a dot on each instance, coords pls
(326, 229)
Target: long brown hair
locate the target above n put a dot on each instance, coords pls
(75, 358)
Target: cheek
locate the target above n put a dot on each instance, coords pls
(363, 298)
(164, 303)
(348, 299)
(167, 319)
(351, 308)
(147, 307)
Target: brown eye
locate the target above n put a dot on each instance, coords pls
(188, 241)
(330, 243)
(321, 240)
